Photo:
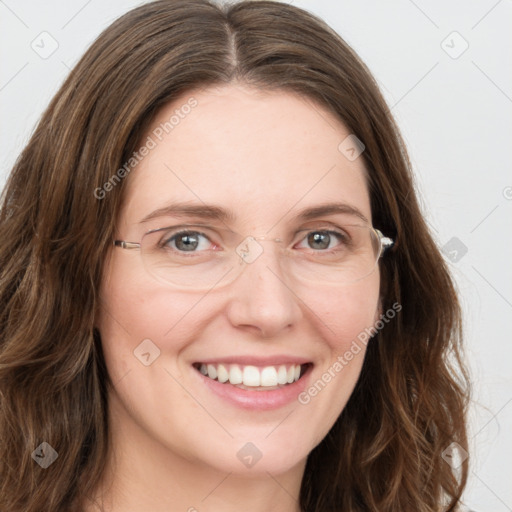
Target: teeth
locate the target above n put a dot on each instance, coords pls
(252, 376)
(235, 375)
(222, 373)
(212, 371)
(269, 376)
(282, 375)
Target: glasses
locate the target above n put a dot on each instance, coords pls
(198, 257)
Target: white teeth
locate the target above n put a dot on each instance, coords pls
(222, 373)
(269, 376)
(281, 375)
(235, 375)
(212, 371)
(252, 376)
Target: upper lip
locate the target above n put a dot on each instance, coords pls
(256, 361)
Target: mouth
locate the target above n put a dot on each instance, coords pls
(253, 377)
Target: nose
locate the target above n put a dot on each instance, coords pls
(262, 299)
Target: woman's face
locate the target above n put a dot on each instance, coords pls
(266, 157)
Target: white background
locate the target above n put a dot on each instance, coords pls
(455, 115)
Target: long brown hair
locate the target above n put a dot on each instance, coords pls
(384, 452)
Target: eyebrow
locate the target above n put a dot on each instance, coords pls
(213, 212)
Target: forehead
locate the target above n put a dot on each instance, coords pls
(261, 154)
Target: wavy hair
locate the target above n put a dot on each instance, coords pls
(384, 453)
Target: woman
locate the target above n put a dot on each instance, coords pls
(218, 290)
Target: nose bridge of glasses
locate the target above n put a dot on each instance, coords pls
(251, 248)
(266, 238)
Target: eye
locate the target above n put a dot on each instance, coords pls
(323, 239)
(186, 241)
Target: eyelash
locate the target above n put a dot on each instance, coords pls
(342, 238)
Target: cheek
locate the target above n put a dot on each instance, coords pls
(137, 314)
(344, 319)
(346, 314)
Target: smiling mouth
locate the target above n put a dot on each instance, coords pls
(254, 378)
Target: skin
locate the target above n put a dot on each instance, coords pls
(264, 155)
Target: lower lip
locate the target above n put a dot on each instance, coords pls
(258, 400)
